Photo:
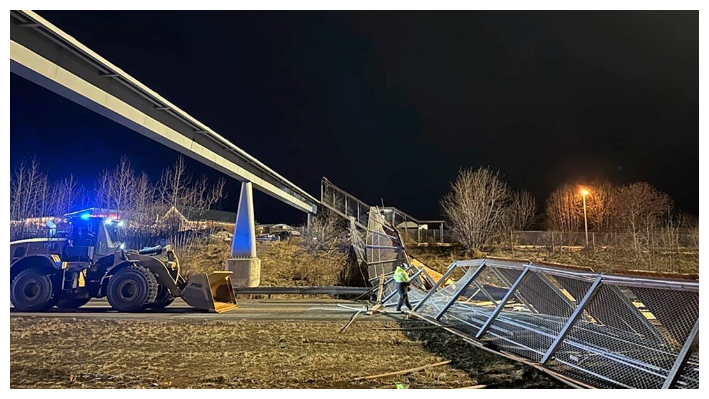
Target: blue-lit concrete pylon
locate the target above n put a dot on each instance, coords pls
(242, 260)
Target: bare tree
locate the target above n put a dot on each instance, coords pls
(101, 189)
(113, 189)
(63, 194)
(121, 185)
(476, 206)
(640, 209)
(327, 229)
(564, 209)
(28, 191)
(522, 211)
(600, 206)
(143, 200)
(202, 196)
(174, 183)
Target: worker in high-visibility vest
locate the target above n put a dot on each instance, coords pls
(401, 278)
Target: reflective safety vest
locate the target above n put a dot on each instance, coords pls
(400, 275)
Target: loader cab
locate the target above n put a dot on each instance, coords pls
(92, 237)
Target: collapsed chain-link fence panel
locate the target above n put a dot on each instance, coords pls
(606, 331)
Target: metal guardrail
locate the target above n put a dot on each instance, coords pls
(309, 290)
(598, 330)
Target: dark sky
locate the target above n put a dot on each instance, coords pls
(392, 104)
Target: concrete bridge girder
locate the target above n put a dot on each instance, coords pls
(45, 55)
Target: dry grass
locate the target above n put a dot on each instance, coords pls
(438, 258)
(291, 264)
(287, 263)
(205, 257)
(94, 353)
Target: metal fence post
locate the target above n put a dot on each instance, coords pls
(507, 283)
(484, 291)
(682, 358)
(500, 305)
(572, 319)
(460, 290)
(433, 289)
(593, 238)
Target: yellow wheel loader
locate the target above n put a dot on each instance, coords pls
(88, 262)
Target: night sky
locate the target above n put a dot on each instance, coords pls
(392, 104)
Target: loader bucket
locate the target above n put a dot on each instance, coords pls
(212, 292)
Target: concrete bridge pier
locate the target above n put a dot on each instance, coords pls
(243, 260)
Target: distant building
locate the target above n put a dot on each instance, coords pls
(190, 218)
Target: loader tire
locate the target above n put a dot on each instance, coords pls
(34, 290)
(163, 299)
(72, 303)
(131, 289)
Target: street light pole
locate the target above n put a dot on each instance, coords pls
(585, 219)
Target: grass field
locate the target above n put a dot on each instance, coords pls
(438, 258)
(130, 353)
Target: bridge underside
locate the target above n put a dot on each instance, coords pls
(45, 55)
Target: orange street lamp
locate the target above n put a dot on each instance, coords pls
(584, 193)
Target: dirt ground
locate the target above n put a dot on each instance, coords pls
(135, 353)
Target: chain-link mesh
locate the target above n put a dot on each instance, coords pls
(621, 340)
(689, 376)
(531, 329)
(628, 334)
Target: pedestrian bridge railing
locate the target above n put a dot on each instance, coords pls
(595, 330)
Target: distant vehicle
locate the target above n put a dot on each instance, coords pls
(266, 238)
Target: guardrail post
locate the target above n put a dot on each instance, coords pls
(433, 289)
(502, 303)
(460, 290)
(682, 357)
(572, 319)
